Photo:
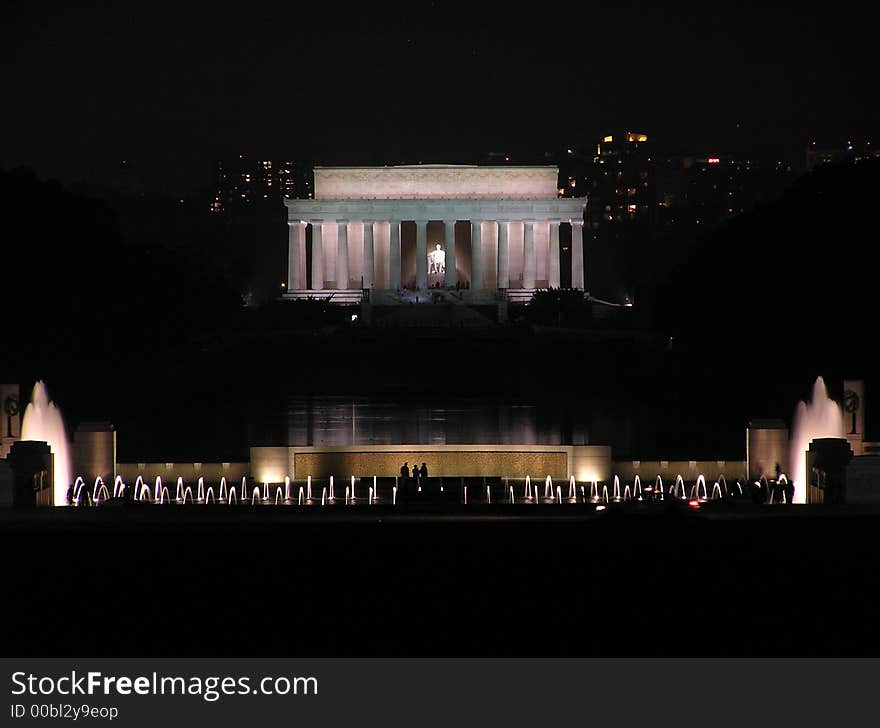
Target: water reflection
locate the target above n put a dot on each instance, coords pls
(328, 420)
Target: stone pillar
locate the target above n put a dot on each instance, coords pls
(342, 255)
(476, 254)
(503, 255)
(766, 446)
(317, 255)
(421, 254)
(369, 266)
(394, 266)
(449, 277)
(577, 254)
(296, 255)
(553, 263)
(529, 262)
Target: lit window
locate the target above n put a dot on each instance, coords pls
(631, 209)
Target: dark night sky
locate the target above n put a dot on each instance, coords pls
(173, 90)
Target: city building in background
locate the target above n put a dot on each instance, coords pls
(243, 182)
(621, 184)
(699, 191)
(852, 150)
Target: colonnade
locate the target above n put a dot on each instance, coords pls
(375, 259)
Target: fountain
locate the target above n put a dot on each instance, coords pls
(822, 417)
(42, 421)
(701, 481)
(77, 489)
(527, 496)
(679, 483)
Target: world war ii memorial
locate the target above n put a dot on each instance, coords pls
(405, 363)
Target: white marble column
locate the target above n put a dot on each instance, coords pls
(577, 254)
(503, 254)
(449, 276)
(476, 254)
(317, 254)
(553, 263)
(394, 265)
(368, 274)
(529, 262)
(342, 254)
(421, 254)
(296, 255)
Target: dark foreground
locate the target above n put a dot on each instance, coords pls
(278, 582)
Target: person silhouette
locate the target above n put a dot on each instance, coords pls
(404, 471)
(423, 471)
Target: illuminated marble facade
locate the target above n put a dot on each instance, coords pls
(514, 217)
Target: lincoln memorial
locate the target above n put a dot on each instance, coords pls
(432, 226)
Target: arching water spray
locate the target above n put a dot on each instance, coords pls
(43, 421)
(822, 417)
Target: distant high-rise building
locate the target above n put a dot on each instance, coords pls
(621, 182)
(243, 182)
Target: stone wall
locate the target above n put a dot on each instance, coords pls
(690, 470)
(271, 464)
(190, 472)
